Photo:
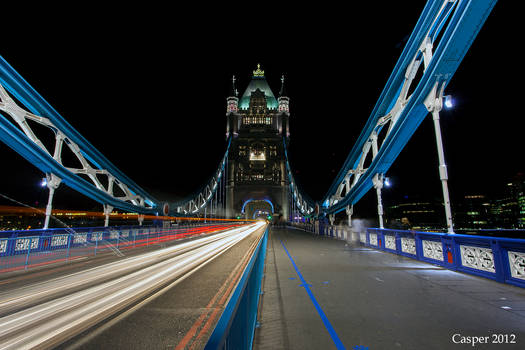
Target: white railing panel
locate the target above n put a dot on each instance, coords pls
(477, 258)
(433, 250)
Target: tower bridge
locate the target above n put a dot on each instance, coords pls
(258, 123)
(231, 266)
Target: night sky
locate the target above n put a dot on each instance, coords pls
(148, 87)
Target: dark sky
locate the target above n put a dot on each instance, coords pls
(147, 87)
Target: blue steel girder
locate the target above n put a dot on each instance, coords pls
(37, 105)
(302, 201)
(93, 163)
(403, 113)
(19, 142)
(395, 109)
(196, 202)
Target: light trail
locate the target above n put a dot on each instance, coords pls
(45, 314)
(163, 236)
(37, 293)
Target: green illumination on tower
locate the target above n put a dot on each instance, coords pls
(258, 82)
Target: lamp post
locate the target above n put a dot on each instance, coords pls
(434, 104)
(378, 181)
(52, 182)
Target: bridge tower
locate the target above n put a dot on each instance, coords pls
(258, 123)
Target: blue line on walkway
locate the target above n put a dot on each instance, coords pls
(327, 323)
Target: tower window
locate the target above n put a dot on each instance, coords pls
(257, 156)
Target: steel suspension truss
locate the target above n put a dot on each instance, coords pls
(436, 47)
(94, 176)
(302, 202)
(198, 202)
(442, 36)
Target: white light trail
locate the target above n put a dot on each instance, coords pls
(103, 291)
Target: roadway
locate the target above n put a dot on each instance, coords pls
(318, 291)
(157, 298)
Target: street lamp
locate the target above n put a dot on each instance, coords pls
(443, 175)
(448, 101)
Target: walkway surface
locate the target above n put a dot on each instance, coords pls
(360, 298)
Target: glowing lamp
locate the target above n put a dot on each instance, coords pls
(449, 103)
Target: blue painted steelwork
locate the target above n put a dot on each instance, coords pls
(25, 93)
(251, 200)
(17, 140)
(235, 329)
(302, 201)
(42, 159)
(23, 249)
(465, 19)
(457, 23)
(199, 199)
(447, 252)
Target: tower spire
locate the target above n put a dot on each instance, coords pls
(283, 100)
(282, 92)
(232, 100)
(234, 90)
(258, 72)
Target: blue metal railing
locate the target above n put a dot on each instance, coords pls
(21, 250)
(235, 329)
(324, 229)
(500, 259)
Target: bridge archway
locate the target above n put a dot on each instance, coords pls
(253, 208)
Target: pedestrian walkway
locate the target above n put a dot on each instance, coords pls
(322, 293)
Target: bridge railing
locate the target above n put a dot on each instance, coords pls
(21, 250)
(304, 226)
(341, 232)
(235, 329)
(500, 259)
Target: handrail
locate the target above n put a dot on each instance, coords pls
(497, 258)
(235, 329)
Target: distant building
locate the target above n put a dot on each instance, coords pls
(418, 214)
(521, 207)
(258, 124)
(504, 213)
(22, 218)
(473, 212)
(509, 211)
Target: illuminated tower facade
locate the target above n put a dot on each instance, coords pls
(258, 122)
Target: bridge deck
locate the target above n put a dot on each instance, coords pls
(183, 317)
(376, 300)
(176, 317)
